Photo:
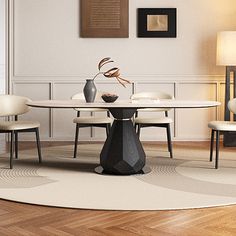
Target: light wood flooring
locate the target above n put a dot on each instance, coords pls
(25, 219)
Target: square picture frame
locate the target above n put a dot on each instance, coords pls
(104, 19)
(157, 22)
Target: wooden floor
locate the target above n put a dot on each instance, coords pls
(25, 219)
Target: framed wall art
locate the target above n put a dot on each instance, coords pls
(104, 18)
(157, 22)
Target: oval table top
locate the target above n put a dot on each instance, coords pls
(166, 103)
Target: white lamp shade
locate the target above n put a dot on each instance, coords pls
(226, 48)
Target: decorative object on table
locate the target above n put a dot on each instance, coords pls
(157, 22)
(108, 97)
(104, 18)
(90, 88)
(226, 56)
(111, 73)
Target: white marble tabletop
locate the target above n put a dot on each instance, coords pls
(167, 103)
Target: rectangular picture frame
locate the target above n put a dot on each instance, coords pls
(104, 18)
(157, 22)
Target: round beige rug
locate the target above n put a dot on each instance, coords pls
(187, 181)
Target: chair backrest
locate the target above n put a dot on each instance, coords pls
(80, 96)
(232, 105)
(98, 98)
(11, 105)
(152, 96)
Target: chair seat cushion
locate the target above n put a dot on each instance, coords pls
(92, 120)
(18, 125)
(91, 109)
(154, 120)
(222, 125)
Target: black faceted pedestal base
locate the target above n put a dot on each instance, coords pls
(100, 170)
(122, 153)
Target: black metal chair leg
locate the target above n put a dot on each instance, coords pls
(76, 140)
(138, 131)
(11, 149)
(212, 144)
(107, 129)
(38, 145)
(16, 144)
(169, 140)
(217, 148)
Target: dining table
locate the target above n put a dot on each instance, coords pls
(122, 152)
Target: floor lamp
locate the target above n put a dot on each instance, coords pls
(226, 56)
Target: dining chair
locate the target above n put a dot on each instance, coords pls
(164, 121)
(220, 127)
(13, 106)
(92, 120)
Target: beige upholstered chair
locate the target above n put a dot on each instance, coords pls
(153, 121)
(11, 105)
(90, 121)
(219, 127)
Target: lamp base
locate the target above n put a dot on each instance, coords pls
(229, 139)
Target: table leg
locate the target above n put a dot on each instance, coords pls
(122, 153)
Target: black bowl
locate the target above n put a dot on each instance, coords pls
(109, 97)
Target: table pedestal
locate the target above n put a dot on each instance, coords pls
(122, 153)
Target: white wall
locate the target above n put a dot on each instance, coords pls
(47, 41)
(2, 46)
(50, 60)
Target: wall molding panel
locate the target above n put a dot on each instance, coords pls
(58, 124)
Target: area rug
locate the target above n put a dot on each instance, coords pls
(187, 181)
